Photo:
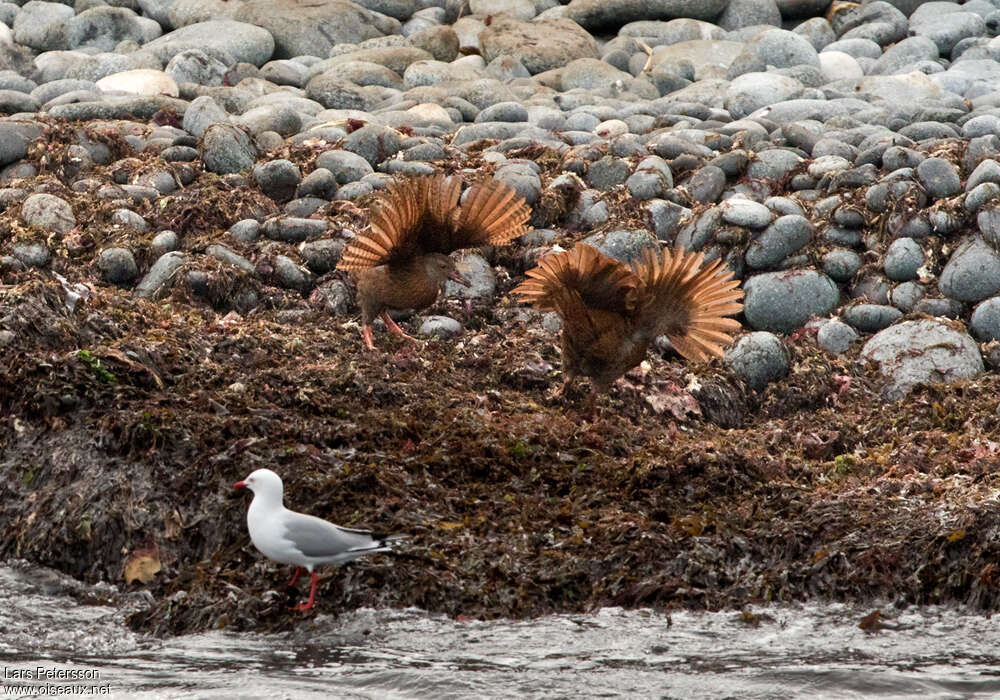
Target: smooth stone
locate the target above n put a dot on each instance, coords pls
(985, 321)
(117, 265)
(439, 326)
(782, 302)
(480, 275)
(227, 149)
(758, 358)
(784, 237)
(972, 273)
(289, 275)
(48, 213)
(160, 274)
(224, 254)
(744, 212)
(344, 165)
(164, 242)
(32, 254)
(278, 179)
(294, 229)
(939, 177)
(922, 351)
(322, 255)
(902, 260)
(871, 318)
(835, 336)
(242, 41)
(906, 296)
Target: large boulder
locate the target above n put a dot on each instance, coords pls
(540, 46)
(603, 14)
(313, 27)
(924, 351)
(241, 41)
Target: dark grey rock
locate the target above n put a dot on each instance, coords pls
(985, 322)
(373, 143)
(945, 308)
(902, 260)
(503, 112)
(939, 177)
(665, 218)
(224, 254)
(201, 114)
(481, 277)
(924, 351)
(227, 149)
(242, 41)
(873, 287)
(623, 245)
(129, 219)
(164, 242)
(277, 178)
(294, 230)
(160, 275)
(835, 336)
(906, 296)
(333, 297)
(344, 165)
(117, 265)
(758, 359)
(787, 235)
(289, 275)
(245, 231)
(607, 173)
(48, 213)
(322, 255)
(320, 183)
(972, 272)
(871, 318)
(706, 184)
(782, 302)
(32, 254)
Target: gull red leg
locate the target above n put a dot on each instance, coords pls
(295, 577)
(393, 327)
(312, 595)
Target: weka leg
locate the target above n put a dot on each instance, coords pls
(366, 335)
(394, 328)
(564, 387)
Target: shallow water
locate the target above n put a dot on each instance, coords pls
(814, 651)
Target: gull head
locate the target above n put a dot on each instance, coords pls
(262, 482)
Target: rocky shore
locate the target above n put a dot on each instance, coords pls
(178, 179)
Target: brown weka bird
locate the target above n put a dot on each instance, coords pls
(402, 261)
(612, 312)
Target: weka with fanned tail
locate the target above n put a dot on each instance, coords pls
(401, 261)
(612, 312)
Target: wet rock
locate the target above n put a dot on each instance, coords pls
(945, 308)
(345, 165)
(624, 245)
(781, 302)
(278, 179)
(164, 242)
(224, 254)
(245, 231)
(758, 359)
(160, 275)
(871, 318)
(294, 229)
(129, 219)
(985, 322)
(227, 149)
(902, 260)
(924, 351)
(439, 326)
(319, 183)
(32, 254)
(117, 266)
(289, 275)
(835, 336)
(939, 177)
(972, 273)
(607, 173)
(48, 212)
(321, 256)
(906, 296)
(481, 277)
(784, 237)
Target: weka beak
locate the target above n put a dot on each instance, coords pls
(240, 485)
(456, 276)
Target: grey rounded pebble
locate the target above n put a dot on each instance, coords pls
(985, 322)
(224, 254)
(245, 230)
(923, 351)
(841, 264)
(277, 178)
(787, 235)
(758, 359)
(322, 255)
(782, 302)
(946, 308)
(32, 254)
(608, 172)
(227, 149)
(319, 183)
(871, 318)
(439, 326)
(503, 112)
(157, 280)
(294, 229)
(333, 296)
(939, 177)
(117, 265)
(289, 275)
(48, 212)
(836, 336)
(902, 260)
(972, 273)
(480, 275)
(129, 219)
(906, 296)
(373, 143)
(346, 166)
(624, 245)
(164, 242)
(744, 212)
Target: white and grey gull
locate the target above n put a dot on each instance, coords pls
(304, 541)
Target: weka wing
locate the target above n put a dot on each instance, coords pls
(419, 215)
(687, 302)
(601, 282)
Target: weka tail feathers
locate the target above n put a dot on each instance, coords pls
(601, 282)
(492, 214)
(395, 215)
(689, 303)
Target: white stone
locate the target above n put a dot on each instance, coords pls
(142, 81)
(837, 65)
